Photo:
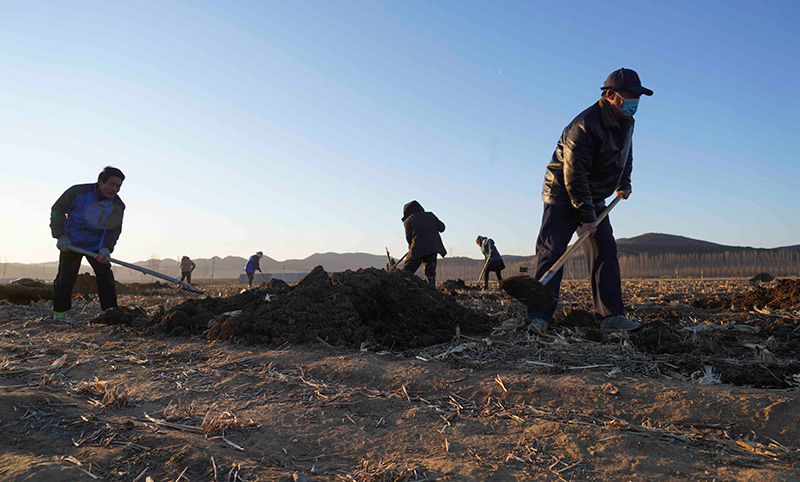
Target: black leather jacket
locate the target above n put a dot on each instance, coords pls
(593, 160)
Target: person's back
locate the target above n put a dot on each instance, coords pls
(424, 242)
(489, 249)
(422, 231)
(187, 265)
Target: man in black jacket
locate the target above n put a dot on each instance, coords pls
(424, 242)
(592, 161)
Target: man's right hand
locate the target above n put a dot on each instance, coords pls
(591, 227)
(63, 243)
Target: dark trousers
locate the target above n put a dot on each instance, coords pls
(187, 276)
(558, 225)
(494, 266)
(250, 278)
(430, 266)
(69, 264)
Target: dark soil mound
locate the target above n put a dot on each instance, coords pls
(529, 291)
(396, 310)
(659, 337)
(579, 318)
(25, 290)
(193, 317)
(144, 288)
(784, 295)
(452, 286)
(278, 284)
(130, 316)
(87, 283)
(761, 278)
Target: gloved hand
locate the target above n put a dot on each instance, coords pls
(103, 255)
(63, 243)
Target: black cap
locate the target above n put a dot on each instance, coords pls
(626, 79)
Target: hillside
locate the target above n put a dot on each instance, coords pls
(658, 243)
(650, 254)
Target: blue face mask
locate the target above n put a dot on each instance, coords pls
(629, 107)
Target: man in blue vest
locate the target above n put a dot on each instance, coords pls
(87, 216)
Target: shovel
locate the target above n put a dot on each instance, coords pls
(483, 270)
(183, 285)
(392, 265)
(534, 293)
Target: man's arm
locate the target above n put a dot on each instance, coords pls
(625, 181)
(58, 213)
(114, 225)
(578, 149)
(439, 225)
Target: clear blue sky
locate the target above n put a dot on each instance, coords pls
(299, 127)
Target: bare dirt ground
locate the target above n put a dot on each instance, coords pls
(244, 389)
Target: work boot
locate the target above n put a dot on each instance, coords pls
(619, 323)
(539, 325)
(60, 316)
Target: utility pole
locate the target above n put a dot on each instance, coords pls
(213, 263)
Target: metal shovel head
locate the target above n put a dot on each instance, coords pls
(530, 292)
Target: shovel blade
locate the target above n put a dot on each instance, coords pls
(530, 292)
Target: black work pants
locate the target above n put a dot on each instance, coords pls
(186, 275)
(69, 264)
(558, 224)
(497, 267)
(430, 266)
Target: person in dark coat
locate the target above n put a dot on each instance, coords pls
(424, 242)
(493, 262)
(87, 216)
(593, 160)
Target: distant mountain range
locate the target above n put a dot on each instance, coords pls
(657, 243)
(230, 267)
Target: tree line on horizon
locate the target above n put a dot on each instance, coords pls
(727, 264)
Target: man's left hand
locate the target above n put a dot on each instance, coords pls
(103, 255)
(625, 193)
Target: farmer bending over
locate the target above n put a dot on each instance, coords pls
(493, 261)
(87, 216)
(424, 242)
(252, 266)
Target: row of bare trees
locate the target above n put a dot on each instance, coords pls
(729, 264)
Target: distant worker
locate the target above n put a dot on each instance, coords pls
(187, 266)
(592, 161)
(87, 216)
(252, 266)
(424, 242)
(493, 262)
